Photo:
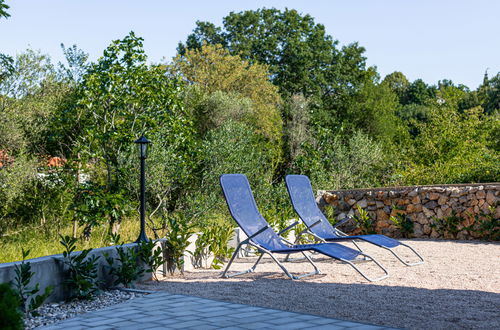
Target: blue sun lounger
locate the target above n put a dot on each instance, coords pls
(304, 203)
(243, 209)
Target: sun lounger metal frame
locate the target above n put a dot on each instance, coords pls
(332, 233)
(256, 238)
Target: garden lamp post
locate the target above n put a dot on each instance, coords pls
(142, 143)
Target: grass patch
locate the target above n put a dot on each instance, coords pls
(46, 242)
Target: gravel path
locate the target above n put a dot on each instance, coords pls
(51, 313)
(458, 287)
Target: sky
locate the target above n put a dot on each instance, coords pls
(428, 39)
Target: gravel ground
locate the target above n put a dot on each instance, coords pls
(52, 312)
(457, 287)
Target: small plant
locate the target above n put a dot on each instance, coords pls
(114, 239)
(364, 222)
(10, 315)
(303, 238)
(29, 301)
(279, 219)
(177, 240)
(486, 225)
(82, 271)
(214, 241)
(329, 211)
(404, 224)
(127, 270)
(150, 256)
(447, 224)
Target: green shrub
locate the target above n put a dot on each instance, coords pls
(29, 300)
(213, 240)
(11, 317)
(364, 222)
(152, 257)
(179, 229)
(404, 224)
(126, 270)
(82, 271)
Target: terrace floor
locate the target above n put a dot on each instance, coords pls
(169, 311)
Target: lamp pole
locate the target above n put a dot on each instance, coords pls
(142, 143)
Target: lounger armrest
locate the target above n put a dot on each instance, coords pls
(341, 222)
(260, 231)
(288, 228)
(314, 224)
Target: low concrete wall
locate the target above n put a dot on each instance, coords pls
(421, 204)
(49, 270)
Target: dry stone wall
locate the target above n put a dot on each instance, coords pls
(447, 211)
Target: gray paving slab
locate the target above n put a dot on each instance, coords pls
(164, 310)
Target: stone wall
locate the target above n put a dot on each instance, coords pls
(445, 211)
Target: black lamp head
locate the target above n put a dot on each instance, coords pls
(142, 143)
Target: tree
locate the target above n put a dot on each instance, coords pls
(373, 110)
(225, 87)
(122, 98)
(398, 83)
(211, 68)
(419, 92)
(491, 91)
(302, 58)
(3, 9)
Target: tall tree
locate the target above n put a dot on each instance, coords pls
(3, 9)
(302, 58)
(211, 68)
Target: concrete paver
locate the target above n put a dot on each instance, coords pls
(168, 311)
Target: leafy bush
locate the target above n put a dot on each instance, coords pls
(404, 224)
(364, 222)
(179, 229)
(125, 267)
(213, 240)
(486, 224)
(29, 300)
(151, 257)
(10, 315)
(447, 225)
(81, 270)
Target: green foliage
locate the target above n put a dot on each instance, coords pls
(486, 224)
(298, 51)
(454, 147)
(403, 223)
(232, 148)
(125, 267)
(94, 205)
(10, 316)
(81, 270)
(178, 231)
(335, 163)
(122, 98)
(213, 240)
(152, 257)
(212, 69)
(29, 300)
(447, 225)
(364, 222)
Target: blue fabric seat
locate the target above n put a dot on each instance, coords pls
(303, 200)
(261, 235)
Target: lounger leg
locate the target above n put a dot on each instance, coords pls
(251, 269)
(363, 274)
(404, 262)
(316, 269)
(231, 261)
